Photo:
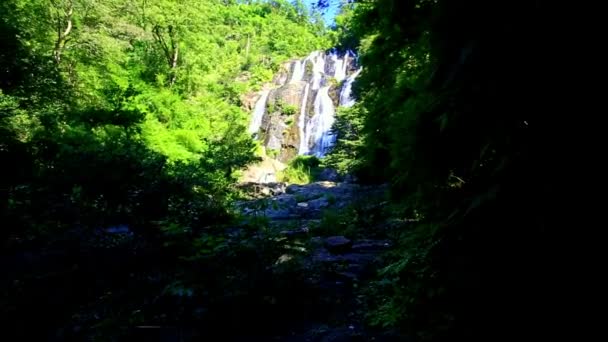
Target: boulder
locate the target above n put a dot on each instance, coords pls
(370, 245)
(338, 244)
(329, 175)
(296, 232)
(293, 188)
(319, 203)
(262, 172)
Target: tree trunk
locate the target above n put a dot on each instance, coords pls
(64, 28)
(170, 50)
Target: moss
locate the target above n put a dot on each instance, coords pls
(272, 153)
(288, 109)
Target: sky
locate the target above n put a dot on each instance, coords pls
(330, 13)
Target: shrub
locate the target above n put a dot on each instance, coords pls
(301, 170)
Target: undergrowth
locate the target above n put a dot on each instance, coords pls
(301, 170)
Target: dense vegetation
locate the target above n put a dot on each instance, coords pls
(121, 131)
(455, 111)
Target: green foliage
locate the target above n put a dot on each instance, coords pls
(301, 170)
(289, 110)
(364, 218)
(438, 118)
(283, 108)
(345, 156)
(273, 153)
(123, 127)
(294, 175)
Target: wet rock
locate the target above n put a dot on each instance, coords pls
(296, 232)
(293, 188)
(370, 245)
(338, 244)
(319, 203)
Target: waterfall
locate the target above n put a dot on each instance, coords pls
(346, 99)
(315, 126)
(318, 128)
(316, 135)
(339, 66)
(318, 69)
(298, 70)
(302, 122)
(258, 113)
(325, 111)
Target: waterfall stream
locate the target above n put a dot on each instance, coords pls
(346, 99)
(258, 113)
(318, 129)
(318, 137)
(298, 71)
(303, 148)
(317, 108)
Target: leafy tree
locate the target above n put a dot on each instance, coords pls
(123, 125)
(454, 115)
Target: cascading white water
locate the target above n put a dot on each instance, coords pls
(298, 70)
(346, 99)
(303, 148)
(258, 113)
(318, 128)
(318, 137)
(315, 129)
(318, 69)
(340, 66)
(325, 111)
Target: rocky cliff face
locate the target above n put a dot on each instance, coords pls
(292, 118)
(280, 126)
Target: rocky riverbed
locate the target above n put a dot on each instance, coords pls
(336, 266)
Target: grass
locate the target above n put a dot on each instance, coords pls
(301, 170)
(294, 175)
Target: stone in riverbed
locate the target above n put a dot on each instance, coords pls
(296, 232)
(370, 245)
(319, 203)
(338, 244)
